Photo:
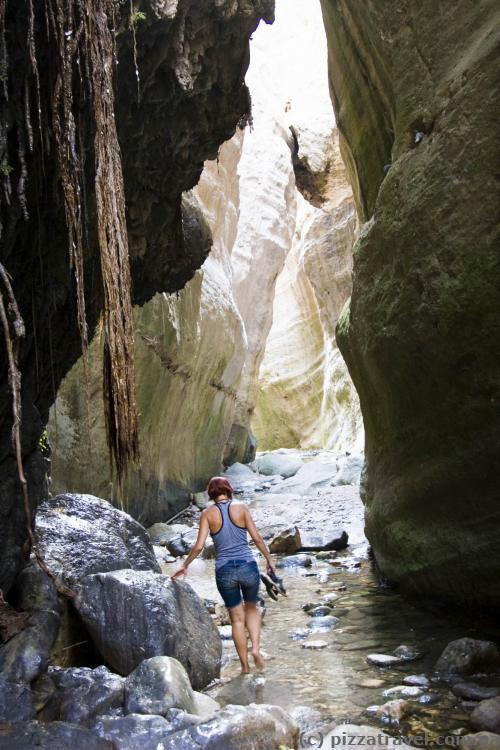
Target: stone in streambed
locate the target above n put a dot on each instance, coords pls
(324, 540)
(162, 555)
(403, 691)
(256, 726)
(480, 741)
(486, 716)
(133, 732)
(420, 680)
(467, 656)
(310, 478)
(350, 468)
(225, 632)
(472, 692)
(274, 463)
(299, 633)
(286, 541)
(156, 685)
(53, 736)
(132, 615)
(205, 706)
(407, 653)
(384, 660)
(319, 611)
(328, 622)
(315, 645)
(301, 560)
(240, 691)
(81, 694)
(393, 712)
(162, 533)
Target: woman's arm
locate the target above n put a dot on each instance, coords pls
(257, 538)
(197, 547)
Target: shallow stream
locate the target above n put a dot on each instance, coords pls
(337, 680)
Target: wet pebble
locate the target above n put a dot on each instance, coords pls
(384, 660)
(225, 632)
(393, 712)
(417, 679)
(407, 653)
(324, 623)
(321, 611)
(299, 633)
(429, 699)
(314, 645)
(300, 560)
(403, 691)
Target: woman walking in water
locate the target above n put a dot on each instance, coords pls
(236, 571)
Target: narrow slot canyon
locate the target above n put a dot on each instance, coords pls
(254, 240)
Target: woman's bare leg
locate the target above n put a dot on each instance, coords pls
(237, 615)
(253, 620)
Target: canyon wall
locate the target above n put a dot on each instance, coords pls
(199, 352)
(414, 87)
(191, 60)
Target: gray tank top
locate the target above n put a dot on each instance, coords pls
(231, 541)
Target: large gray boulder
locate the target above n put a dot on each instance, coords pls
(324, 539)
(311, 478)
(486, 716)
(82, 534)
(133, 732)
(16, 702)
(274, 463)
(468, 656)
(238, 728)
(81, 694)
(350, 468)
(26, 655)
(132, 615)
(54, 736)
(234, 728)
(156, 685)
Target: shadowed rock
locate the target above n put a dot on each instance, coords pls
(467, 656)
(133, 615)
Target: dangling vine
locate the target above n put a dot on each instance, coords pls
(81, 34)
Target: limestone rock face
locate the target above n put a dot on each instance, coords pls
(186, 375)
(414, 93)
(306, 398)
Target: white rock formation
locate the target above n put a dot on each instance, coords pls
(198, 353)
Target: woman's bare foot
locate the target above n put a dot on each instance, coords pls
(259, 661)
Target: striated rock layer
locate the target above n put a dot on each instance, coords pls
(191, 58)
(306, 398)
(414, 88)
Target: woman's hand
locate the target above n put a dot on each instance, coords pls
(270, 569)
(182, 571)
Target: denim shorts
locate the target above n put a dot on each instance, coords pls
(237, 580)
